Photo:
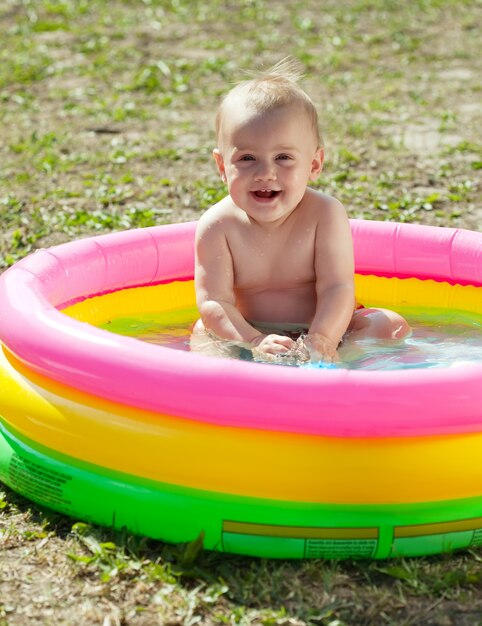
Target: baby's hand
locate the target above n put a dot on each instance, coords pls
(321, 348)
(272, 344)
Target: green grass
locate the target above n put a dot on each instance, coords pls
(106, 123)
(126, 91)
(148, 582)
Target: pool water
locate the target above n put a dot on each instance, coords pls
(439, 338)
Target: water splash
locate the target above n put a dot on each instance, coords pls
(439, 339)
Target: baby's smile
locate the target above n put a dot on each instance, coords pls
(266, 193)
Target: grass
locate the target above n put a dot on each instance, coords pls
(106, 116)
(82, 574)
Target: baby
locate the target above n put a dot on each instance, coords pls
(274, 258)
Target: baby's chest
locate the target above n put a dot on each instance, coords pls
(273, 267)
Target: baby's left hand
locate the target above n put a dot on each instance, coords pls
(321, 348)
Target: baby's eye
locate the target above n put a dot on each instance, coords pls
(283, 157)
(247, 157)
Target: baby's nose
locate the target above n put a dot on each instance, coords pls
(265, 171)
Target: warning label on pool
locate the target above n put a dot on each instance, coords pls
(37, 482)
(341, 548)
(307, 541)
(476, 539)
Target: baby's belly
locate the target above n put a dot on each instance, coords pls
(295, 305)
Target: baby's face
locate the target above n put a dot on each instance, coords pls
(267, 160)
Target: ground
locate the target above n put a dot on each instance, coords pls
(106, 116)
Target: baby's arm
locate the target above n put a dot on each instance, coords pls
(214, 280)
(334, 268)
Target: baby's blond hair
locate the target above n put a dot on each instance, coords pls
(271, 89)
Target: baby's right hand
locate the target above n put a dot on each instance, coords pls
(272, 344)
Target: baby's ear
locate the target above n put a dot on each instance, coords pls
(317, 164)
(218, 157)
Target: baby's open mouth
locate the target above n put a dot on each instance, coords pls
(267, 193)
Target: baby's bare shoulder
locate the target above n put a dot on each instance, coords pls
(317, 199)
(220, 211)
(221, 218)
(321, 207)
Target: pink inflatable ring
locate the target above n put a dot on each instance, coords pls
(342, 403)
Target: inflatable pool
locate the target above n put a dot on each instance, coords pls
(256, 459)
